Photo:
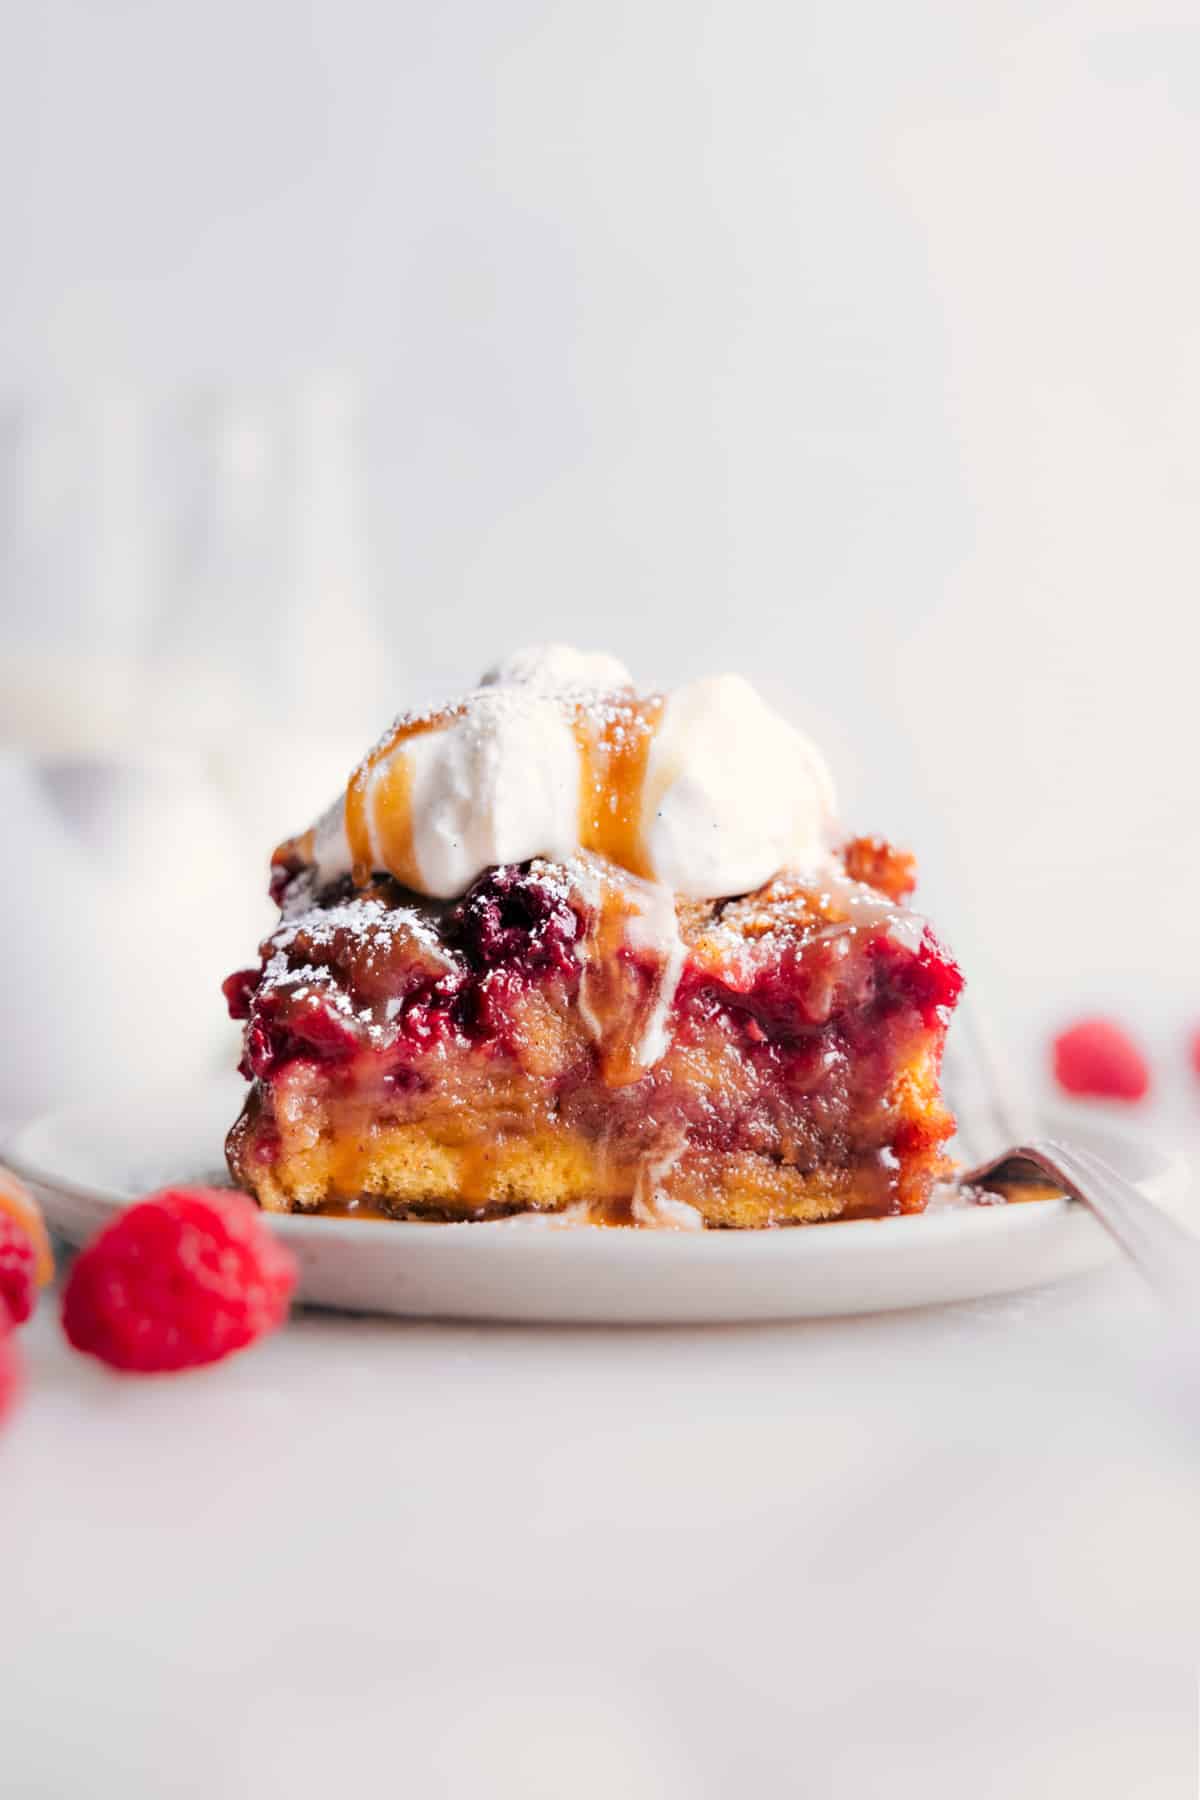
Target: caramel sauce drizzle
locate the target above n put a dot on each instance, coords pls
(301, 849)
(389, 796)
(362, 1208)
(613, 741)
(613, 752)
(388, 790)
(611, 996)
(614, 998)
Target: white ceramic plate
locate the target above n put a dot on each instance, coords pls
(85, 1162)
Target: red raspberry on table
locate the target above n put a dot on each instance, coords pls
(18, 1270)
(181, 1278)
(1095, 1056)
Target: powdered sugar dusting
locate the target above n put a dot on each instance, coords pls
(848, 907)
(317, 929)
(306, 981)
(603, 702)
(320, 924)
(557, 667)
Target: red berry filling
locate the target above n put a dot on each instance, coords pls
(795, 1035)
(509, 919)
(239, 990)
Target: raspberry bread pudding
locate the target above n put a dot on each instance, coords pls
(569, 948)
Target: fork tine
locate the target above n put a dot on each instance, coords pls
(980, 1121)
(991, 1098)
(966, 1094)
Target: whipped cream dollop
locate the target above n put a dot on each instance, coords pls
(705, 790)
(733, 792)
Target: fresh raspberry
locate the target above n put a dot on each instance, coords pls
(1095, 1056)
(18, 1270)
(181, 1278)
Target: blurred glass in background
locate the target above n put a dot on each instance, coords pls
(190, 665)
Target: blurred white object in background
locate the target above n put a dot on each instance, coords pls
(264, 651)
(331, 661)
(125, 908)
(74, 563)
(220, 557)
(317, 695)
(264, 616)
(190, 670)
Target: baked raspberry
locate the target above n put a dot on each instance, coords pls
(511, 917)
(290, 1025)
(181, 1278)
(239, 990)
(1097, 1057)
(18, 1270)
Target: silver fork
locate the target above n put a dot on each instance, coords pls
(992, 1108)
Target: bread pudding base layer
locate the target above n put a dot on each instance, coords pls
(477, 1060)
(410, 1171)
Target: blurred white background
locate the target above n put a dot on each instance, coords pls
(856, 347)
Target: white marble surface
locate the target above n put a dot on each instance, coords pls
(933, 1553)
